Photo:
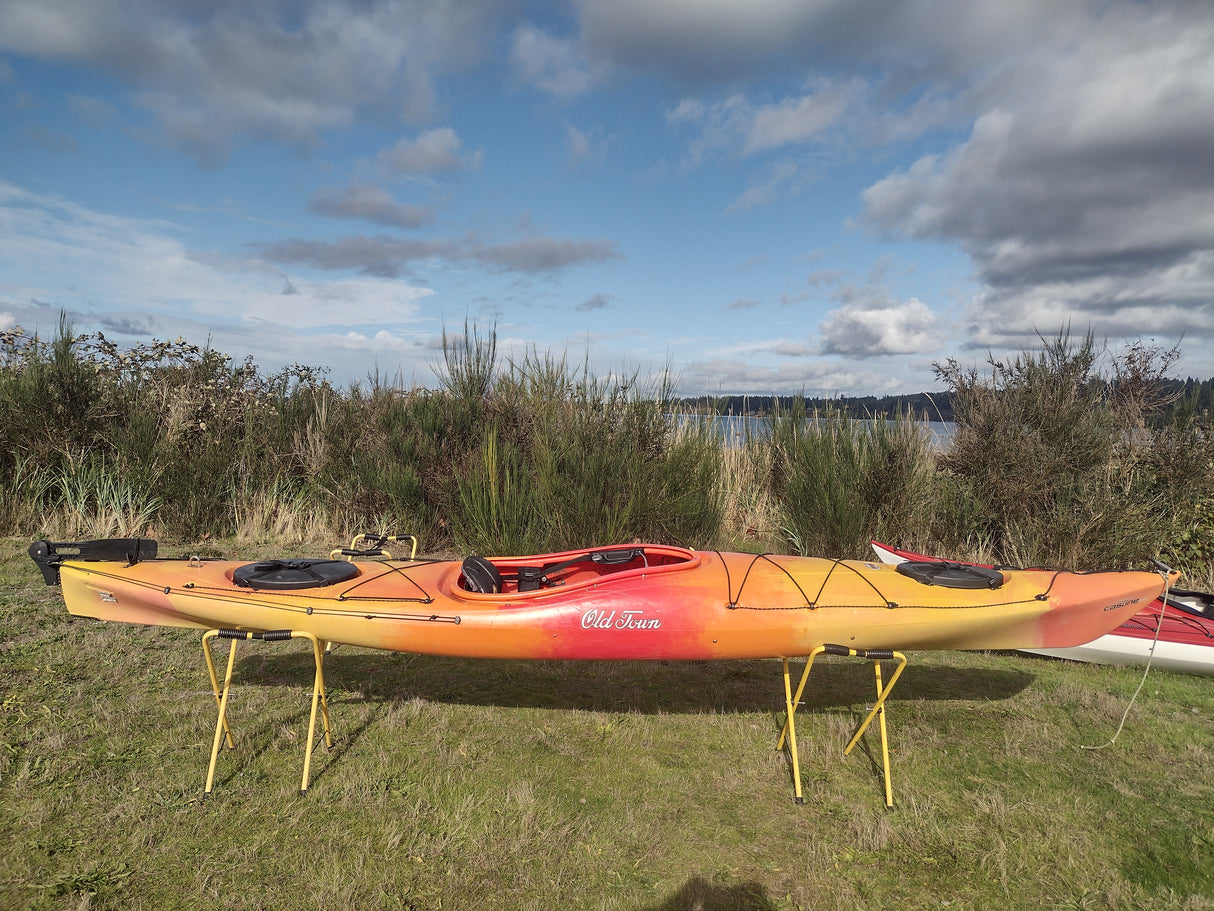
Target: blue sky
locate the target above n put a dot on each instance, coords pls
(775, 196)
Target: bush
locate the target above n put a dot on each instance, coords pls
(843, 482)
(1051, 463)
(1054, 459)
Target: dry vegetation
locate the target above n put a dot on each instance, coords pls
(1063, 456)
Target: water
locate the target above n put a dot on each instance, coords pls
(736, 429)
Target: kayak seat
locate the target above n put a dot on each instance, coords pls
(481, 576)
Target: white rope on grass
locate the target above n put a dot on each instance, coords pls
(1163, 609)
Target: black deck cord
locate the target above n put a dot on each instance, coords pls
(812, 604)
(426, 598)
(228, 594)
(734, 602)
(1192, 623)
(1045, 595)
(728, 582)
(871, 584)
(1058, 572)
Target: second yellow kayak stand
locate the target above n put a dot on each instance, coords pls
(791, 701)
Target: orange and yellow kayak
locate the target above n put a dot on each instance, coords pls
(638, 601)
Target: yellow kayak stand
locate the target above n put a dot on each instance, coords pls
(791, 702)
(364, 545)
(221, 694)
(373, 546)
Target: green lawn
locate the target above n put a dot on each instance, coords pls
(547, 785)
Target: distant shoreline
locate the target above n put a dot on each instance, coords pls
(927, 406)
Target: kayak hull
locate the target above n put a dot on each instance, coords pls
(634, 602)
(1177, 657)
(1177, 637)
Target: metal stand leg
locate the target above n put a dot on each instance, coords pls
(221, 694)
(790, 729)
(318, 695)
(221, 723)
(877, 711)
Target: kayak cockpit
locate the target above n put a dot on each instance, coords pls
(1195, 604)
(535, 575)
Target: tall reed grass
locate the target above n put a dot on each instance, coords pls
(843, 482)
(1058, 458)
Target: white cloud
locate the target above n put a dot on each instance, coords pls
(1084, 192)
(436, 151)
(870, 328)
(597, 302)
(96, 111)
(720, 41)
(721, 126)
(813, 376)
(736, 127)
(694, 39)
(371, 203)
(585, 147)
(388, 257)
(287, 71)
(771, 187)
(553, 65)
(143, 277)
(800, 119)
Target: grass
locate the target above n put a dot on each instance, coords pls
(521, 785)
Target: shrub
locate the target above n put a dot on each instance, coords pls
(842, 482)
(1051, 462)
(1054, 458)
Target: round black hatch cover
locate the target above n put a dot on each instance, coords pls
(285, 575)
(951, 575)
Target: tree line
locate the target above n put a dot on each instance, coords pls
(1185, 398)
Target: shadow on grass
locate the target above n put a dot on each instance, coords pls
(649, 687)
(255, 737)
(697, 894)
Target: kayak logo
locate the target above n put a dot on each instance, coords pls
(1120, 604)
(627, 619)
